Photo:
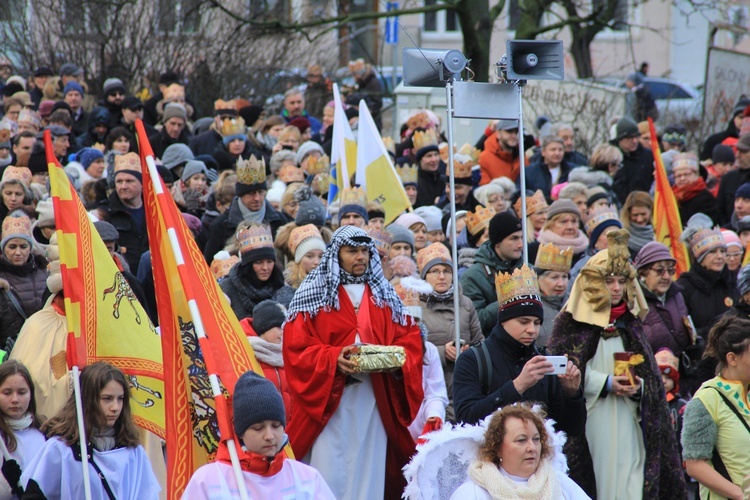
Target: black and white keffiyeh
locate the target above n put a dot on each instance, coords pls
(320, 289)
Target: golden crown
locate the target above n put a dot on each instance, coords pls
(462, 165)
(21, 174)
(300, 234)
(534, 204)
(597, 215)
(221, 104)
(432, 252)
(221, 267)
(129, 161)
(16, 225)
(318, 165)
(422, 139)
(478, 220)
(251, 171)
(522, 283)
(443, 151)
(253, 237)
(408, 296)
(291, 173)
(550, 257)
(407, 173)
(232, 126)
(469, 150)
(381, 239)
(174, 93)
(353, 196)
(321, 183)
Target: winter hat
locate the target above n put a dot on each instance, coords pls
(250, 114)
(744, 143)
(743, 191)
(563, 207)
(743, 224)
(669, 365)
(16, 225)
(20, 174)
(266, 315)
(401, 235)
(701, 236)
(353, 200)
(432, 255)
(518, 294)
(743, 280)
(73, 85)
(731, 238)
(45, 213)
(87, 156)
(112, 84)
(722, 154)
(503, 225)
(311, 211)
(172, 110)
(375, 210)
(255, 400)
(599, 219)
(303, 239)
(176, 154)
(402, 266)
(129, 163)
(45, 108)
(408, 219)
(432, 217)
(651, 252)
(306, 148)
(594, 194)
(301, 123)
(276, 192)
(256, 243)
(193, 167)
(626, 128)
(106, 231)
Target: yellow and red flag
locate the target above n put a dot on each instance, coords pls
(203, 342)
(666, 215)
(105, 320)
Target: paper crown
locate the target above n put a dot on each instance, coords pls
(597, 215)
(705, 240)
(444, 152)
(685, 160)
(462, 165)
(550, 257)
(436, 253)
(318, 165)
(253, 237)
(665, 359)
(534, 204)
(522, 283)
(27, 115)
(221, 104)
(232, 126)
(422, 139)
(21, 174)
(321, 183)
(174, 93)
(222, 263)
(381, 239)
(129, 161)
(390, 146)
(408, 173)
(471, 151)
(477, 221)
(251, 171)
(291, 173)
(300, 234)
(20, 225)
(419, 120)
(353, 196)
(409, 289)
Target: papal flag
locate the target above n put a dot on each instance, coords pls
(343, 148)
(105, 320)
(205, 348)
(375, 172)
(666, 215)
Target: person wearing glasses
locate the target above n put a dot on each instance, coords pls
(690, 188)
(114, 94)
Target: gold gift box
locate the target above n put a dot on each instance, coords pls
(378, 358)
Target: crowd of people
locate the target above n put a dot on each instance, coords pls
(350, 311)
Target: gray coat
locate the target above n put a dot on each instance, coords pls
(552, 305)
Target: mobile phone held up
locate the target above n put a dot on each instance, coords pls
(559, 365)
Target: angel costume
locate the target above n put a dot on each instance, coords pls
(28, 443)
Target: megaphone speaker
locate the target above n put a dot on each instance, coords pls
(535, 60)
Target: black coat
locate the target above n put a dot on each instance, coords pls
(206, 142)
(708, 295)
(538, 176)
(133, 240)
(725, 197)
(508, 358)
(161, 141)
(636, 173)
(718, 138)
(704, 202)
(430, 187)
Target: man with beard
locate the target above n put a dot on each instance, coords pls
(500, 155)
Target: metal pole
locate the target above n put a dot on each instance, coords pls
(81, 432)
(522, 168)
(454, 247)
(394, 107)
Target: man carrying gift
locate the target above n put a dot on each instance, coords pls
(350, 425)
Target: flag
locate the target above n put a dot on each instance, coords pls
(375, 172)
(189, 303)
(105, 320)
(666, 215)
(343, 148)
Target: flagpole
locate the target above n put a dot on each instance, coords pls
(522, 167)
(454, 243)
(81, 432)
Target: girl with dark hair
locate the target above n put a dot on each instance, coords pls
(19, 425)
(118, 465)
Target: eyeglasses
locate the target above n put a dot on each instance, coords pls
(661, 270)
(734, 255)
(439, 272)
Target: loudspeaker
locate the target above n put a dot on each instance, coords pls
(535, 60)
(422, 66)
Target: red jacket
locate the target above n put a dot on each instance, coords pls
(495, 162)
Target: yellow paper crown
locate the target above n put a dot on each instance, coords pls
(422, 139)
(462, 165)
(477, 221)
(253, 237)
(534, 204)
(251, 171)
(291, 173)
(522, 283)
(434, 252)
(318, 165)
(353, 196)
(390, 146)
(407, 173)
(321, 183)
(221, 104)
(469, 150)
(232, 126)
(21, 174)
(419, 120)
(381, 239)
(129, 161)
(13, 225)
(300, 234)
(597, 215)
(221, 267)
(550, 257)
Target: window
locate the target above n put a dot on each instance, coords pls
(442, 21)
(178, 16)
(620, 18)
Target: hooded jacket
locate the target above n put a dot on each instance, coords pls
(708, 295)
(28, 281)
(430, 187)
(98, 115)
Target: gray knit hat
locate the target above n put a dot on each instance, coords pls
(255, 400)
(106, 231)
(306, 148)
(400, 235)
(311, 211)
(563, 206)
(193, 167)
(112, 84)
(172, 110)
(176, 154)
(266, 315)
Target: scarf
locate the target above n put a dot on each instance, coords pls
(267, 141)
(103, 439)
(616, 311)
(689, 191)
(248, 294)
(542, 485)
(639, 236)
(253, 462)
(442, 297)
(320, 288)
(19, 424)
(579, 244)
(266, 352)
(250, 216)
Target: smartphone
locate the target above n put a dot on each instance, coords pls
(559, 365)
(290, 148)
(463, 342)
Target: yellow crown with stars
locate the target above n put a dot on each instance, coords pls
(407, 173)
(253, 237)
(422, 139)
(232, 126)
(251, 171)
(550, 257)
(597, 215)
(353, 196)
(318, 165)
(477, 221)
(522, 283)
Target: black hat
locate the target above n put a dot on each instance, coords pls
(132, 103)
(722, 154)
(503, 225)
(43, 71)
(12, 88)
(61, 105)
(168, 77)
(250, 114)
(255, 399)
(266, 315)
(626, 128)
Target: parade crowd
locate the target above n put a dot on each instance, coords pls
(652, 397)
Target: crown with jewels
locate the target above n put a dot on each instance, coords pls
(422, 139)
(128, 162)
(462, 165)
(318, 165)
(381, 239)
(407, 173)
(534, 204)
(251, 171)
(597, 215)
(353, 196)
(436, 252)
(291, 173)
(222, 263)
(232, 126)
(522, 283)
(477, 221)
(253, 237)
(550, 257)
(300, 234)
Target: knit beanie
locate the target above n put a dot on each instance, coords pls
(731, 239)
(563, 207)
(311, 211)
(266, 315)
(193, 167)
(255, 400)
(303, 239)
(743, 280)
(409, 219)
(87, 156)
(306, 148)
(723, 154)
(176, 154)
(250, 114)
(651, 252)
(432, 217)
(73, 85)
(503, 225)
(626, 128)
(423, 151)
(112, 84)
(743, 191)
(401, 235)
(172, 110)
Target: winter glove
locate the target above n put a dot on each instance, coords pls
(12, 472)
(192, 200)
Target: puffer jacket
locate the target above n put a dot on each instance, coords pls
(438, 316)
(708, 295)
(28, 281)
(664, 324)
